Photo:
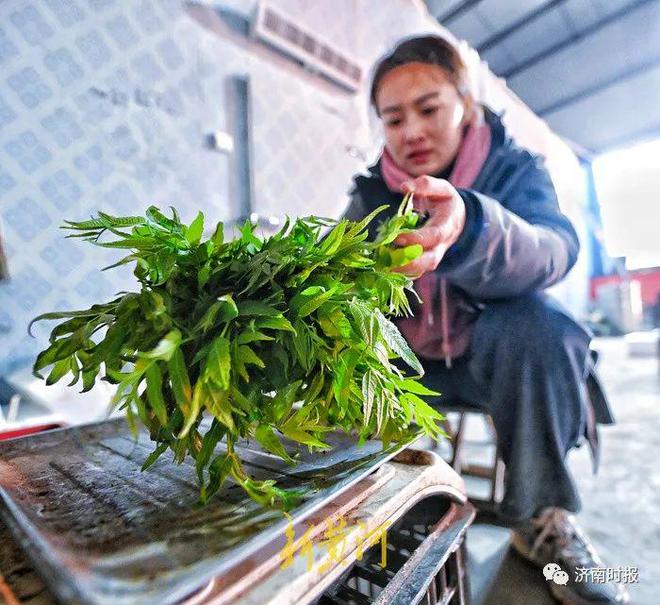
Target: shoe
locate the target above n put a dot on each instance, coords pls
(554, 542)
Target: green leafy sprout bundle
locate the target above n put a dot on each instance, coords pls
(280, 336)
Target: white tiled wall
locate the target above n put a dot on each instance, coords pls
(106, 104)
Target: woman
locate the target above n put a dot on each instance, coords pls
(485, 333)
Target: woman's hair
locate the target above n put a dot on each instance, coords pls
(432, 50)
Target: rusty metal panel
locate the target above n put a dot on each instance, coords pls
(101, 531)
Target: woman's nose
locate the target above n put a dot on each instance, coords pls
(412, 131)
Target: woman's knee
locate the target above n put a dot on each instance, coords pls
(532, 325)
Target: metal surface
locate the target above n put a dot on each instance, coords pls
(573, 39)
(101, 531)
(524, 21)
(458, 11)
(619, 77)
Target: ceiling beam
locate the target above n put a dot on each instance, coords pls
(457, 11)
(625, 74)
(574, 39)
(519, 24)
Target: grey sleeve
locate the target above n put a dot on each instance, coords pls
(514, 247)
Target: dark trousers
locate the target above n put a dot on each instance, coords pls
(526, 367)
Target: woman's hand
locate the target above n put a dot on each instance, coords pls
(446, 210)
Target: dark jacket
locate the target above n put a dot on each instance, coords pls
(515, 241)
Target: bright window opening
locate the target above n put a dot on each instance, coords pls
(628, 189)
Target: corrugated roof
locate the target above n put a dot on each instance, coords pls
(591, 68)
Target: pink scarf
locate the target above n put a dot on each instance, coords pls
(418, 330)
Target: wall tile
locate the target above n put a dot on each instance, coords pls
(29, 86)
(67, 12)
(28, 152)
(31, 25)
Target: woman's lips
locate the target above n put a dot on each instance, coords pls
(419, 157)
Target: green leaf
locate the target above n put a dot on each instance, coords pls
(275, 323)
(167, 346)
(304, 437)
(252, 336)
(256, 307)
(218, 363)
(203, 276)
(241, 400)
(153, 457)
(218, 404)
(425, 415)
(195, 230)
(75, 370)
(344, 376)
(384, 404)
(191, 414)
(361, 225)
(247, 356)
(89, 379)
(414, 386)
(221, 311)
(60, 349)
(370, 390)
(315, 388)
(95, 311)
(180, 381)
(248, 238)
(172, 225)
(364, 322)
(309, 300)
(155, 393)
(283, 401)
(209, 442)
(398, 257)
(270, 442)
(334, 323)
(302, 344)
(218, 472)
(397, 343)
(60, 369)
(218, 236)
(406, 206)
(331, 243)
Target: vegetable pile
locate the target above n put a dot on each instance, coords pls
(267, 337)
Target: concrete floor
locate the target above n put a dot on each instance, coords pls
(621, 505)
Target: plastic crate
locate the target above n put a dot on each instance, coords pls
(424, 563)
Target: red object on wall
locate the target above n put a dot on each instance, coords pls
(28, 430)
(649, 280)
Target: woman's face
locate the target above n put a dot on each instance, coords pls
(423, 117)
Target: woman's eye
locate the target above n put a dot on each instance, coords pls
(394, 122)
(429, 110)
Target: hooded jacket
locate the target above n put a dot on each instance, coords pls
(515, 241)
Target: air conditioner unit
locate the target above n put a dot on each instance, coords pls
(280, 31)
